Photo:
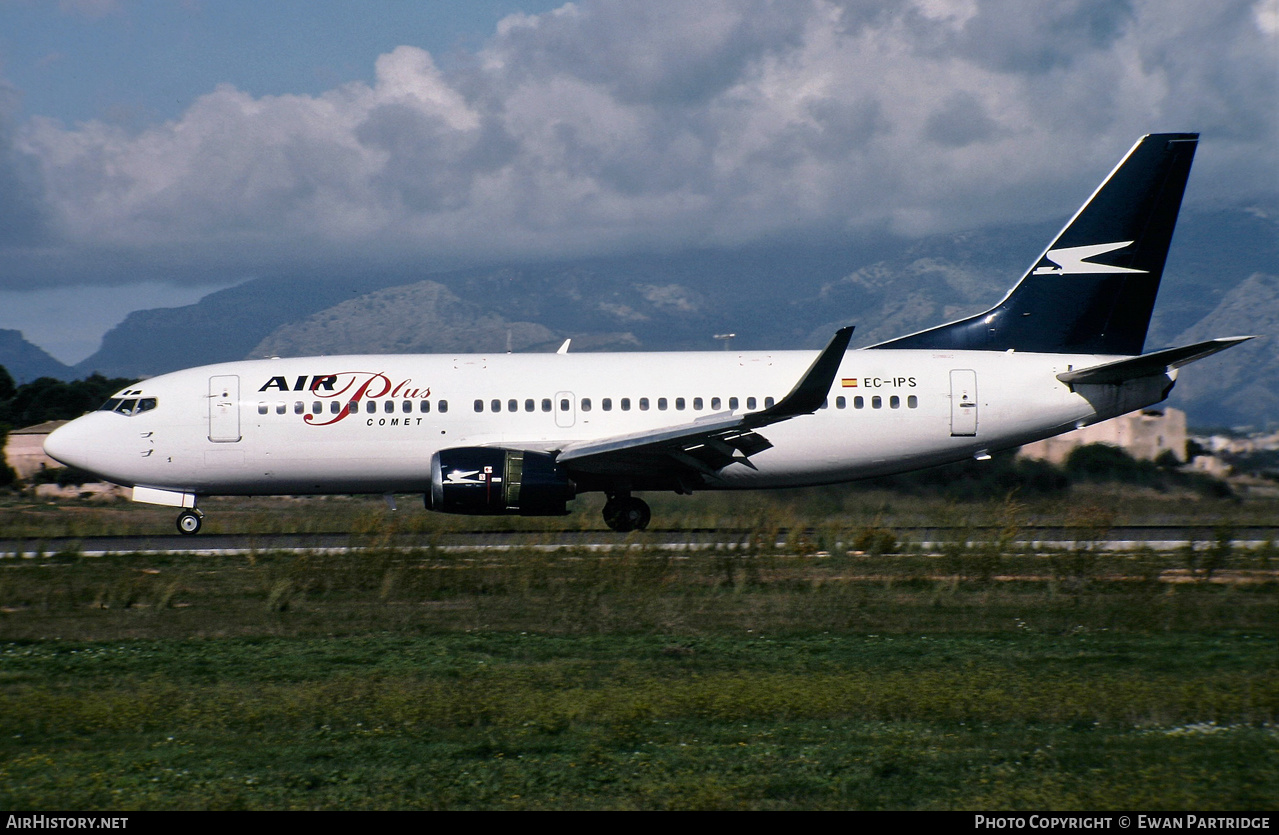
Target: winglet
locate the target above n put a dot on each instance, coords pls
(563, 349)
(810, 392)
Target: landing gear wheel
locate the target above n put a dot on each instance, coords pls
(189, 521)
(627, 513)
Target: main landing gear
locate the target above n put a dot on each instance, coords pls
(624, 513)
(189, 521)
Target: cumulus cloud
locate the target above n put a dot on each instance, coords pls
(21, 208)
(608, 126)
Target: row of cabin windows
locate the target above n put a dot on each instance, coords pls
(624, 403)
(371, 406)
(530, 405)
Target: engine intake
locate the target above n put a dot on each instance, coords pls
(495, 481)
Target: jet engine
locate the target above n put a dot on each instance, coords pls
(494, 481)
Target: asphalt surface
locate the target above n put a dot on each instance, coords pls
(1159, 538)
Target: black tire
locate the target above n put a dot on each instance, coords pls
(627, 514)
(189, 522)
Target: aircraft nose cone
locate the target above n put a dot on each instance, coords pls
(70, 444)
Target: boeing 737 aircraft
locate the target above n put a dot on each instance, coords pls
(524, 434)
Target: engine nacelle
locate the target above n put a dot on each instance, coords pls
(492, 481)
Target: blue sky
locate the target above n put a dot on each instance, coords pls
(139, 62)
(151, 151)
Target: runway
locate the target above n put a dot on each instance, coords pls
(914, 539)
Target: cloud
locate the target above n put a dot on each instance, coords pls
(612, 126)
(22, 212)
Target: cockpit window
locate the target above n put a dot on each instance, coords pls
(129, 405)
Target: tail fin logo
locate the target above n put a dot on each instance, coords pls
(1073, 260)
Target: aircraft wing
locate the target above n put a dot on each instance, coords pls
(1148, 365)
(709, 444)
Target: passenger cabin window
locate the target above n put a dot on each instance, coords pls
(586, 404)
(444, 406)
(768, 402)
(424, 406)
(841, 402)
(679, 404)
(479, 405)
(607, 404)
(529, 405)
(697, 404)
(715, 404)
(546, 404)
(626, 404)
(661, 403)
(912, 402)
(877, 402)
(370, 406)
(262, 409)
(643, 404)
(750, 403)
(298, 407)
(859, 402)
(732, 404)
(281, 408)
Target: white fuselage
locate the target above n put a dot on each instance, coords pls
(370, 424)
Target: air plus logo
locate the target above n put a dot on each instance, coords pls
(350, 386)
(1073, 260)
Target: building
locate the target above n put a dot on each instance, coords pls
(1144, 435)
(24, 449)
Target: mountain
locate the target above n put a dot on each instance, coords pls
(222, 326)
(775, 295)
(26, 362)
(1241, 387)
(424, 318)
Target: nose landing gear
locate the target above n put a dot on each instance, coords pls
(624, 513)
(189, 521)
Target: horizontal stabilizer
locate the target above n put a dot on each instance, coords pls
(1149, 365)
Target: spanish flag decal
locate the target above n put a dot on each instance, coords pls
(849, 382)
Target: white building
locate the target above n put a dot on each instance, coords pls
(1144, 435)
(24, 449)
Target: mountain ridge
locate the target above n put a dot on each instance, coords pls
(773, 296)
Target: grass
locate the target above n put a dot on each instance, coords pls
(973, 676)
(528, 721)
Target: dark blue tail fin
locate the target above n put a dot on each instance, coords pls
(1093, 289)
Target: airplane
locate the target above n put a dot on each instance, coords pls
(492, 434)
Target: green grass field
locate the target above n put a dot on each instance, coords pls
(795, 677)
